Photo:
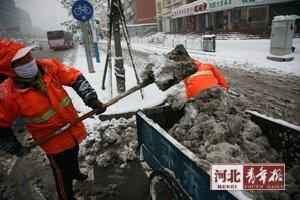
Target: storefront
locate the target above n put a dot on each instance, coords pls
(166, 23)
(222, 14)
(203, 22)
(203, 15)
(184, 24)
(251, 16)
(185, 18)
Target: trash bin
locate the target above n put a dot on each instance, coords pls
(209, 43)
(282, 34)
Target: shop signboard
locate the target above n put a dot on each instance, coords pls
(204, 6)
(183, 11)
(200, 7)
(194, 8)
(241, 3)
(218, 5)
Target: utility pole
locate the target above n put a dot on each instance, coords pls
(87, 45)
(119, 64)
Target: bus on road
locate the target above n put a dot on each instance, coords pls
(60, 39)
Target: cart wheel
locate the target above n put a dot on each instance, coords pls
(163, 186)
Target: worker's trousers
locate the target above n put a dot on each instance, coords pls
(65, 169)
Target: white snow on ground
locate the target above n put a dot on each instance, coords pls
(246, 54)
(152, 95)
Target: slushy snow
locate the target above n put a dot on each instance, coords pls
(168, 70)
(217, 129)
(110, 143)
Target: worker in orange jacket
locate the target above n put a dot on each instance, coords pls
(207, 76)
(34, 91)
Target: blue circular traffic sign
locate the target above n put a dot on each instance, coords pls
(82, 10)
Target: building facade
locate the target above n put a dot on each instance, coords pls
(15, 21)
(140, 16)
(164, 14)
(128, 10)
(250, 16)
(2, 31)
(25, 25)
(144, 11)
(9, 16)
(139, 11)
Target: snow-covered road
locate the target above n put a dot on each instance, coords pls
(268, 90)
(246, 54)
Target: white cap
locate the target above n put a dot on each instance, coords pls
(22, 52)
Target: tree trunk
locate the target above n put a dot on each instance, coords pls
(119, 65)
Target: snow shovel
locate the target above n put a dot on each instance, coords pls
(89, 114)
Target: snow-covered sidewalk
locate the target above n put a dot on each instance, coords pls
(246, 54)
(152, 95)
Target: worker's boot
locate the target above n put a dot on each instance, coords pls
(81, 177)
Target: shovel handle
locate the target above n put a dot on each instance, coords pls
(89, 114)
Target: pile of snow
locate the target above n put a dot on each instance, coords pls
(110, 143)
(216, 128)
(177, 96)
(160, 38)
(168, 70)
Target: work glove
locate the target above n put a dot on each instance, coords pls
(10, 144)
(96, 104)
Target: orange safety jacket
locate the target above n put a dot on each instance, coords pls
(207, 76)
(44, 114)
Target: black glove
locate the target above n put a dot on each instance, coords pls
(10, 144)
(84, 90)
(96, 104)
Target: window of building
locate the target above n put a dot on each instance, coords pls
(174, 2)
(237, 14)
(167, 2)
(159, 9)
(257, 15)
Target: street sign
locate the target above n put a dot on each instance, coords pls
(82, 10)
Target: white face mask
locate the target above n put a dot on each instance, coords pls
(28, 70)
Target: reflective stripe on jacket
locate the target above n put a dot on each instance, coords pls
(206, 77)
(43, 114)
